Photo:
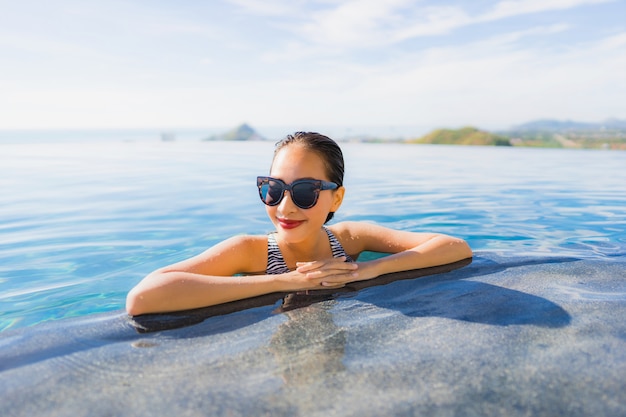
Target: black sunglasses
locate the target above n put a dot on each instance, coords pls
(304, 193)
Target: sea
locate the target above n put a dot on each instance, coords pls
(532, 325)
(85, 215)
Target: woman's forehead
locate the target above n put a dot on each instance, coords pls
(296, 161)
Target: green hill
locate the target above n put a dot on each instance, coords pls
(463, 136)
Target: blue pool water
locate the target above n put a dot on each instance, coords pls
(81, 222)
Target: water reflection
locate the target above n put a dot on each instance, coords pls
(309, 349)
(309, 344)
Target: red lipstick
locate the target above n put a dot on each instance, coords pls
(289, 224)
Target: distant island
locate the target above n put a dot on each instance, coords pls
(543, 134)
(242, 132)
(464, 136)
(610, 134)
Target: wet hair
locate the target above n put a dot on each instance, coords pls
(326, 148)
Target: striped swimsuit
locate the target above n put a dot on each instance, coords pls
(276, 264)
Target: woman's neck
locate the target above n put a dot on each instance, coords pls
(314, 248)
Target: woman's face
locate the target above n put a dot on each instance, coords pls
(295, 162)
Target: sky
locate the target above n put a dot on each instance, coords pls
(356, 64)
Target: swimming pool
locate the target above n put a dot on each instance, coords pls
(534, 320)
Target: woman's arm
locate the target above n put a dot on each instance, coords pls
(202, 280)
(164, 291)
(208, 279)
(408, 250)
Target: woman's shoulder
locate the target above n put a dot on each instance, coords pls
(352, 235)
(244, 240)
(351, 229)
(360, 236)
(247, 245)
(246, 253)
(342, 228)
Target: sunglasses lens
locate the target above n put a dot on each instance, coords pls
(305, 194)
(271, 192)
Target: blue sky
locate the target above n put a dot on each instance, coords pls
(354, 64)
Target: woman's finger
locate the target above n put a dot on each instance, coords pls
(339, 280)
(320, 262)
(331, 270)
(325, 264)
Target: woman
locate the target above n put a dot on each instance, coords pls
(301, 194)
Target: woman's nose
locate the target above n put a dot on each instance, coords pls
(286, 204)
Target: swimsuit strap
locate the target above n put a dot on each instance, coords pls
(335, 246)
(276, 263)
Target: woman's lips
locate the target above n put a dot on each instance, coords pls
(289, 224)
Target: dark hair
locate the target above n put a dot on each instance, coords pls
(326, 148)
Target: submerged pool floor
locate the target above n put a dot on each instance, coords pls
(537, 336)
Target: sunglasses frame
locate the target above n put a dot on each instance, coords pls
(320, 185)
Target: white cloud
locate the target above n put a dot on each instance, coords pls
(519, 7)
(481, 85)
(372, 23)
(512, 41)
(612, 43)
(432, 21)
(353, 23)
(492, 82)
(269, 7)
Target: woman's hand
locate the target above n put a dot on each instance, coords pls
(328, 273)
